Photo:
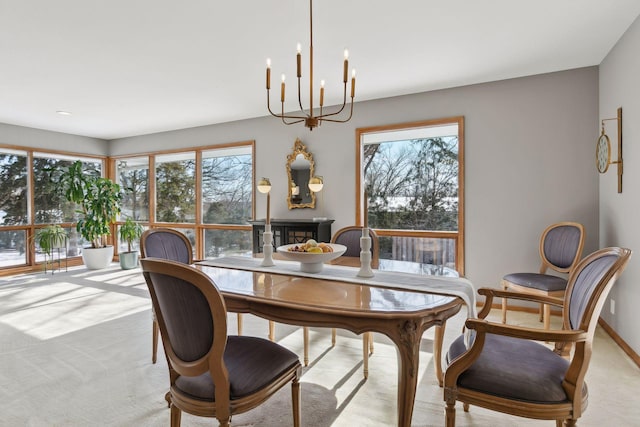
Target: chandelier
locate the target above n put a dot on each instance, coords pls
(308, 116)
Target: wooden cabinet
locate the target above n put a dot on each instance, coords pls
(289, 231)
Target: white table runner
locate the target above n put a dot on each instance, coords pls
(452, 286)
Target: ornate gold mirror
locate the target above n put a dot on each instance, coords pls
(300, 168)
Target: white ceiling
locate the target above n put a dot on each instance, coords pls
(131, 67)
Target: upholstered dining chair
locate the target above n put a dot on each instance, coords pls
(212, 374)
(169, 244)
(505, 369)
(350, 237)
(560, 250)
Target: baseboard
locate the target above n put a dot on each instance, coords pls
(608, 329)
(618, 340)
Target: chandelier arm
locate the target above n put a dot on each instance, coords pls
(298, 119)
(300, 98)
(344, 103)
(322, 119)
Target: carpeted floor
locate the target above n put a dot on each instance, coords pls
(75, 350)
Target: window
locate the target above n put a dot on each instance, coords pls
(412, 175)
(176, 188)
(133, 176)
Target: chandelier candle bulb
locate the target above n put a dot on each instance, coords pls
(353, 83)
(321, 92)
(299, 61)
(282, 90)
(268, 73)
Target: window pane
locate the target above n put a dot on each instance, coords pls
(434, 255)
(412, 184)
(49, 203)
(176, 188)
(226, 186)
(12, 248)
(13, 188)
(227, 242)
(133, 175)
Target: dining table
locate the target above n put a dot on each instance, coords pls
(401, 306)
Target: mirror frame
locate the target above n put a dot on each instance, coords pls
(300, 149)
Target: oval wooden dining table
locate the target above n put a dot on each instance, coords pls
(401, 315)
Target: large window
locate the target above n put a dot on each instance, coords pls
(205, 193)
(30, 199)
(412, 175)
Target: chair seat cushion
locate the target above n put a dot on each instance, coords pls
(543, 282)
(252, 363)
(515, 369)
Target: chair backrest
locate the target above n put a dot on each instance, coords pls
(192, 318)
(588, 287)
(166, 243)
(561, 246)
(350, 237)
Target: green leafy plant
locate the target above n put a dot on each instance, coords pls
(50, 237)
(130, 231)
(99, 200)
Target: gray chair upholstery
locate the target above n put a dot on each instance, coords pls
(506, 370)
(350, 237)
(212, 374)
(560, 250)
(164, 243)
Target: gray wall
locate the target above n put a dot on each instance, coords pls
(47, 140)
(529, 160)
(619, 87)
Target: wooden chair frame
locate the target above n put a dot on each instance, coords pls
(546, 265)
(223, 407)
(581, 337)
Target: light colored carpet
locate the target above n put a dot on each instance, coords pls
(75, 350)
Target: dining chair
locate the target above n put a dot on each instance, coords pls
(560, 250)
(350, 237)
(508, 369)
(164, 243)
(212, 374)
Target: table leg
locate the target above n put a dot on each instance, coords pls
(407, 340)
(437, 352)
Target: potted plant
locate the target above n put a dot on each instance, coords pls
(99, 201)
(49, 238)
(130, 231)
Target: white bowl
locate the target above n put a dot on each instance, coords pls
(310, 262)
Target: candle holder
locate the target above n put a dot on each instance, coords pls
(267, 247)
(365, 254)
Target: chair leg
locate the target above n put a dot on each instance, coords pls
(305, 332)
(365, 355)
(333, 337)
(272, 330)
(504, 309)
(370, 342)
(176, 415)
(450, 414)
(546, 316)
(154, 345)
(239, 323)
(295, 401)
(541, 312)
(167, 397)
(559, 423)
(465, 407)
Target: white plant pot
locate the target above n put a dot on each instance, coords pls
(97, 258)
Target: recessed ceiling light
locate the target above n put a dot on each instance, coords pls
(63, 113)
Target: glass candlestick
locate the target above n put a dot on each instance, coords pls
(267, 247)
(365, 254)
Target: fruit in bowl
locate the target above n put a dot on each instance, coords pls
(311, 255)
(311, 246)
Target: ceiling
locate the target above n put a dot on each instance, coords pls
(131, 67)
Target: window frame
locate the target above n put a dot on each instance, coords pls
(458, 236)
